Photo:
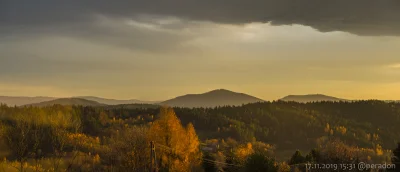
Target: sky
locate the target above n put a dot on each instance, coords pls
(157, 50)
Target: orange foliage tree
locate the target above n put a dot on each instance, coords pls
(177, 147)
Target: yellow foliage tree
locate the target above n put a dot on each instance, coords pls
(327, 128)
(194, 155)
(283, 167)
(378, 150)
(341, 129)
(178, 147)
(243, 152)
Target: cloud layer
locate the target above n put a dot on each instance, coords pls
(361, 17)
(160, 49)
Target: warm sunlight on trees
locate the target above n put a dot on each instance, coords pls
(17, 139)
(341, 129)
(33, 132)
(243, 152)
(283, 167)
(77, 138)
(193, 143)
(131, 150)
(178, 147)
(378, 150)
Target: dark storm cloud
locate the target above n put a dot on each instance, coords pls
(135, 34)
(362, 17)
(122, 35)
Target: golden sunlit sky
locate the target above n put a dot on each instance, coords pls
(157, 56)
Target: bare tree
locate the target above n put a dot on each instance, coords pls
(17, 139)
(131, 150)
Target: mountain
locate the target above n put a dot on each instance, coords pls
(116, 102)
(67, 101)
(213, 98)
(133, 106)
(18, 101)
(311, 98)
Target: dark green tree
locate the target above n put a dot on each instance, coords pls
(258, 162)
(297, 158)
(208, 165)
(396, 157)
(313, 157)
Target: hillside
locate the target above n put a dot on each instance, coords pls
(18, 101)
(133, 106)
(116, 102)
(213, 98)
(311, 98)
(67, 101)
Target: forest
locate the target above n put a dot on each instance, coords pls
(266, 136)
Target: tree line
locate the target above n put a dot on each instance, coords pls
(269, 136)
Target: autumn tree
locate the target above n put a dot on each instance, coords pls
(284, 167)
(178, 146)
(237, 156)
(192, 147)
(335, 151)
(28, 133)
(131, 150)
(243, 152)
(61, 124)
(263, 148)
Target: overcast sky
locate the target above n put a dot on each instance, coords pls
(156, 50)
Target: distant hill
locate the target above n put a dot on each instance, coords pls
(116, 102)
(214, 98)
(311, 98)
(392, 101)
(67, 101)
(133, 106)
(18, 101)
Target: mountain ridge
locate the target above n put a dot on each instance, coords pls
(67, 101)
(26, 100)
(109, 101)
(23, 100)
(311, 98)
(218, 97)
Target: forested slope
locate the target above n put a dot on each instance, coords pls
(345, 131)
